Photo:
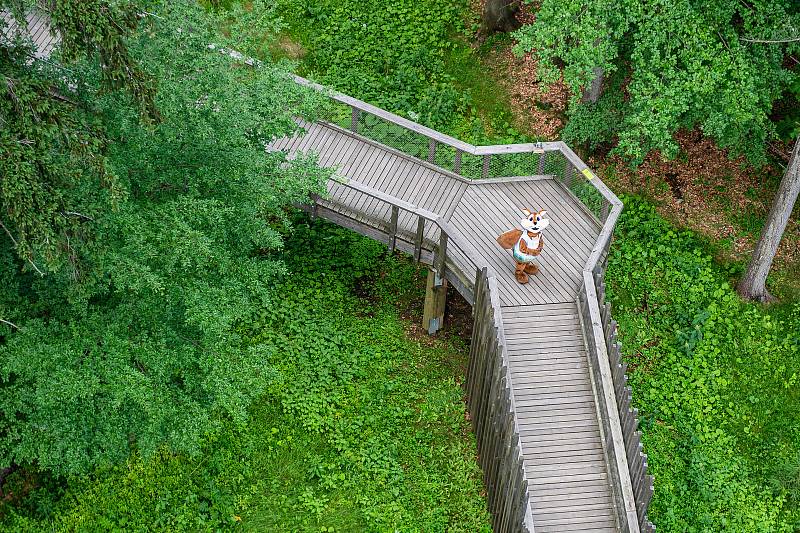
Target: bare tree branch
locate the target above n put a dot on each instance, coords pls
(36, 268)
(76, 214)
(8, 233)
(770, 41)
(16, 327)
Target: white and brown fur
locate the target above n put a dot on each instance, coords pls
(529, 241)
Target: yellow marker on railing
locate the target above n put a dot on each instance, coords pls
(588, 173)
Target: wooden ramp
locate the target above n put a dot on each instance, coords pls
(406, 201)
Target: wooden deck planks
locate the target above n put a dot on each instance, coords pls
(557, 418)
(559, 262)
(491, 213)
(547, 365)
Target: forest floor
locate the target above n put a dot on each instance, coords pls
(714, 378)
(366, 426)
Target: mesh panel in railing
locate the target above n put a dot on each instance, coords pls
(588, 195)
(534, 162)
(505, 165)
(471, 166)
(335, 112)
(391, 135)
(553, 163)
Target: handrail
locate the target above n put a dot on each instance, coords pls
(386, 115)
(453, 234)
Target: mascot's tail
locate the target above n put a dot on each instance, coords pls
(508, 239)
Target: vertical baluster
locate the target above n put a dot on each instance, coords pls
(542, 160)
(441, 254)
(393, 228)
(431, 150)
(354, 120)
(418, 238)
(487, 160)
(457, 162)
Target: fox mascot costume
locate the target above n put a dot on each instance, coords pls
(526, 243)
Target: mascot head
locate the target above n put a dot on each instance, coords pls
(534, 221)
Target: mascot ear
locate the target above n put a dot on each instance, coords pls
(526, 212)
(542, 213)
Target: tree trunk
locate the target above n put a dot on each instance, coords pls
(753, 285)
(592, 93)
(499, 16)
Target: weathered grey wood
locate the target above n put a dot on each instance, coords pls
(393, 228)
(495, 392)
(753, 284)
(418, 237)
(431, 150)
(487, 160)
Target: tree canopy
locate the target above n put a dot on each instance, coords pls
(671, 64)
(141, 226)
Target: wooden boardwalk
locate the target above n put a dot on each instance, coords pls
(564, 462)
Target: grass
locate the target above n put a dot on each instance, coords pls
(364, 427)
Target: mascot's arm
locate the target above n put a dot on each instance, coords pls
(538, 249)
(508, 239)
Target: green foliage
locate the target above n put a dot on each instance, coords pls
(388, 53)
(362, 429)
(55, 173)
(409, 57)
(715, 380)
(132, 344)
(680, 64)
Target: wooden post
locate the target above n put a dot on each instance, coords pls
(435, 298)
(431, 150)
(436, 290)
(393, 228)
(440, 259)
(354, 120)
(457, 162)
(418, 238)
(487, 160)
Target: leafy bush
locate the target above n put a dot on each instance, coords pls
(362, 427)
(714, 378)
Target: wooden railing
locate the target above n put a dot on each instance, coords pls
(491, 405)
(633, 487)
(464, 160)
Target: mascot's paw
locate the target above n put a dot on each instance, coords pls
(531, 269)
(522, 277)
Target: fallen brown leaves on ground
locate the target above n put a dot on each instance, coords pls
(706, 191)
